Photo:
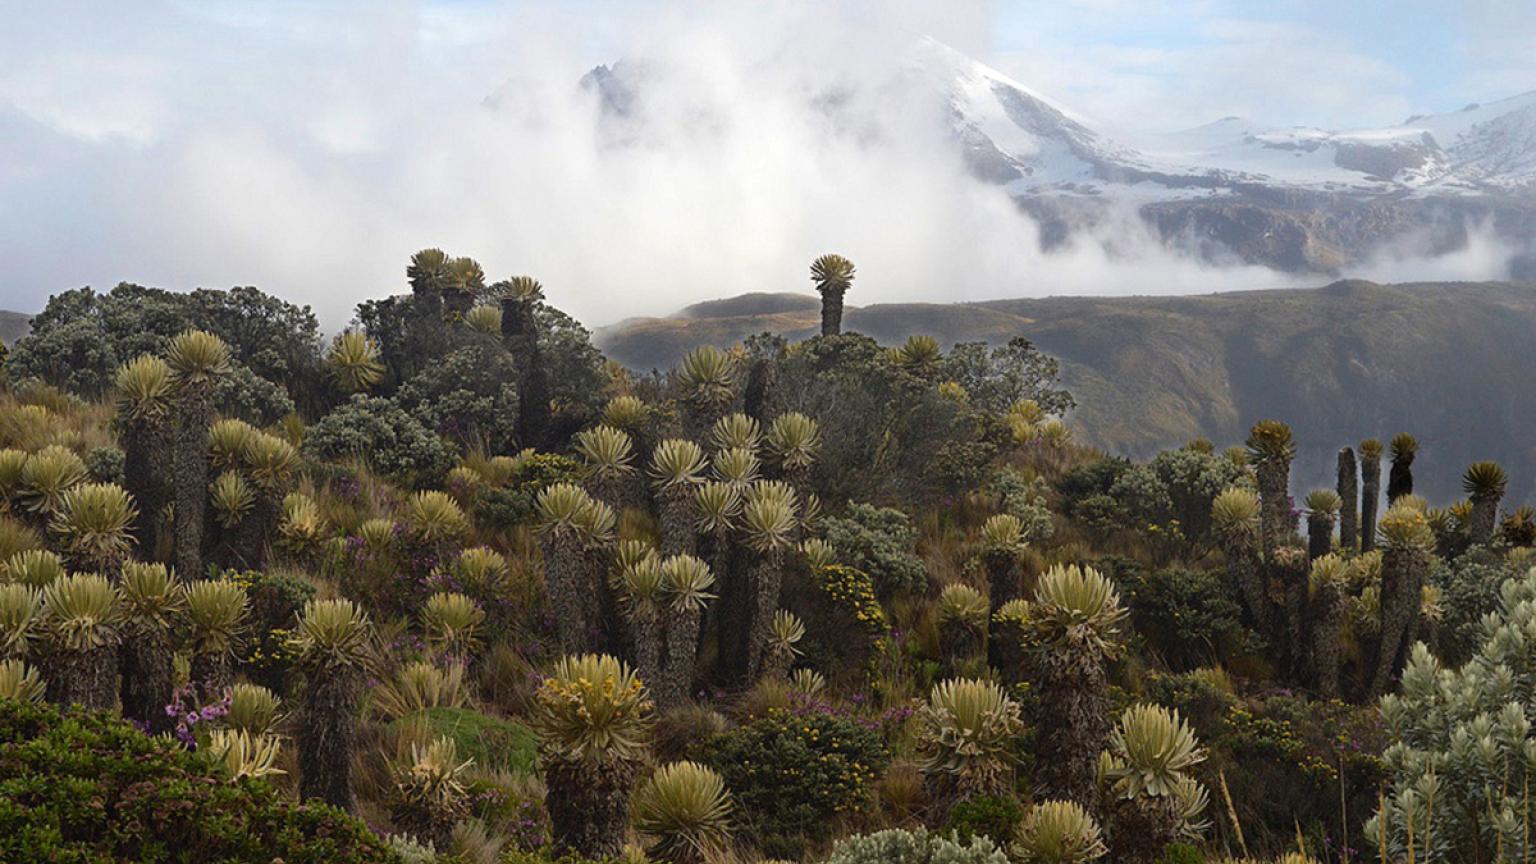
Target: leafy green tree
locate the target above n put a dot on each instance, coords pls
(379, 432)
(996, 378)
(882, 542)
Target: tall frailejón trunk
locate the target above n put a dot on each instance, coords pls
(1349, 493)
(194, 409)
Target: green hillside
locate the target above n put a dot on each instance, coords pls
(1446, 361)
(13, 326)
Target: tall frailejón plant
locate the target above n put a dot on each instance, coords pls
(95, 524)
(1407, 544)
(1327, 600)
(332, 643)
(677, 467)
(1484, 483)
(82, 618)
(1400, 482)
(521, 297)
(1156, 801)
(216, 614)
(1370, 491)
(794, 441)
(1074, 633)
(198, 360)
(638, 581)
(685, 584)
(1349, 500)
(572, 525)
(153, 603)
(1002, 542)
(1235, 520)
(1270, 449)
(592, 715)
(609, 455)
(1322, 507)
(144, 404)
(833, 275)
(707, 381)
(771, 520)
(967, 738)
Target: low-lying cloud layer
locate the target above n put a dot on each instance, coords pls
(310, 152)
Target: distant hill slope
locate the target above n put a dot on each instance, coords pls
(13, 326)
(1449, 362)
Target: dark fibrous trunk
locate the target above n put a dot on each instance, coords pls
(1003, 577)
(1400, 481)
(1349, 493)
(1072, 687)
(766, 577)
(1276, 521)
(1327, 630)
(563, 585)
(959, 643)
(1402, 588)
(831, 312)
(1246, 573)
(146, 463)
(759, 400)
(213, 673)
(1370, 495)
(681, 646)
(329, 730)
(520, 333)
(1485, 514)
(1319, 534)
(677, 515)
(147, 677)
(588, 806)
(1143, 827)
(86, 678)
(191, 478)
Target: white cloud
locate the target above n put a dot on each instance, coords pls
(310, 149)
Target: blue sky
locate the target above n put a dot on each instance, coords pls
(309, 147)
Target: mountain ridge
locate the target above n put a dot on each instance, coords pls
(1299, 199)
(1342, 362)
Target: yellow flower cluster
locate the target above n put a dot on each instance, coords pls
(852, 588)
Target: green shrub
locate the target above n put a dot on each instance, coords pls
(105, 464)
(899, 846)
(1469, 589)
(1181, 853)
(89, 787)
(794, 776)
(379, 432)
(987, 816)
(494, 743)
(1089, 480)
(501, 507)
(276, 598)
(881, 542)
(1188, 617)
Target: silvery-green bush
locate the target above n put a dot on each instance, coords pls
(898, 846)
(1463, 762)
